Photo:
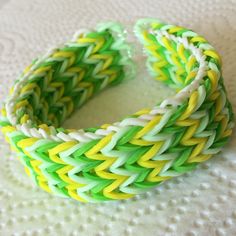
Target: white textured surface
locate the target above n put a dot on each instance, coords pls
(202, 202)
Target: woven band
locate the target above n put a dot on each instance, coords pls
(119, 160)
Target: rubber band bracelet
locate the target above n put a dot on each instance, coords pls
(119, 160)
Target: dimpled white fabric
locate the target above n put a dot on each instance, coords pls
(202, 202)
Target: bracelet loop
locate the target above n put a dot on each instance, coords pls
(119, 160)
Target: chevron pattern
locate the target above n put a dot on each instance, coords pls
(117, 161)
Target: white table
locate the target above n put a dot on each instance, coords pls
(200, 203)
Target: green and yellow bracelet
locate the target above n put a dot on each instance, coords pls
(119, 160)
